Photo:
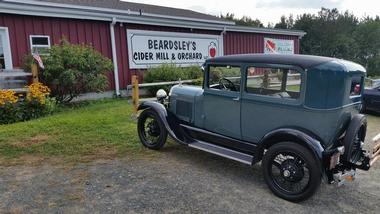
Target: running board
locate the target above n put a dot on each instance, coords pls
(223, 152)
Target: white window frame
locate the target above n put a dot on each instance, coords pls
(38, 46)
(7, 49)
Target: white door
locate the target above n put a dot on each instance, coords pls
(5, 50)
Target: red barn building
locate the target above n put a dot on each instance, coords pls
(135, 36)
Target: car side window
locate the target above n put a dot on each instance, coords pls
(282, 83)
(224, 77)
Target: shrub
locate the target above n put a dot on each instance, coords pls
(170, 72)
(73, 69)
(36, 104)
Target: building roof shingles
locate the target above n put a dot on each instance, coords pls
(145, 8)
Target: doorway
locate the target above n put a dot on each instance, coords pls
(5, 50)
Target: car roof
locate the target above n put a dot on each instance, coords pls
(303, 61)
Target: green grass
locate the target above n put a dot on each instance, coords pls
(101, 127)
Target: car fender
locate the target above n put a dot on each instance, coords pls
(169, 120)
(294, 135)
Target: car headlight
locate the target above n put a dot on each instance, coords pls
(161, 95)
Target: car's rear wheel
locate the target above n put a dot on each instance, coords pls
(354, 139)
(151, 130)
(291, 171)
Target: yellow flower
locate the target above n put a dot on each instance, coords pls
(38, 91)
(7, 96)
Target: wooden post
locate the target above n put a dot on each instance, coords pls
(34, 72)
(135, 94)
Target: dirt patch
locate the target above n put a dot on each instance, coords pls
(36, 140)
(27, 160)
(102, 153)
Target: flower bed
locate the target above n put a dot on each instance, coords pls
(14, 108)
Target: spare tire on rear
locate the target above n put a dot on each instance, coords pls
(355, 136)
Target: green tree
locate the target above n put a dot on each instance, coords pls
(243, 21)
(341, 35)
(285, 23)
(328, 34)
(367, 39)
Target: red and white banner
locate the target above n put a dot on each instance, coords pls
(278, 46)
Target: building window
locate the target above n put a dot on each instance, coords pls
(39, 44)
(274, 82)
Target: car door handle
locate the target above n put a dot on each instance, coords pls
(236, 99)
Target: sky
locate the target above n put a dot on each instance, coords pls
(270, 11)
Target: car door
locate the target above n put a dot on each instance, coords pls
(373, 99)
(221, 105)
(271, 99)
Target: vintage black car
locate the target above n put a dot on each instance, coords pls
(297, 114)
(371, 98)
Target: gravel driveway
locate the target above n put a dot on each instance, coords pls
(175, 180)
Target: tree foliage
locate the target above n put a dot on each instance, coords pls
(244, 21)
(285, 23)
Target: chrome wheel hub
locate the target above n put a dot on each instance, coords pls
(286, 173)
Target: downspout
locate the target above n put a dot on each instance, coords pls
(114, 57)
(224, 31)
(222, 35)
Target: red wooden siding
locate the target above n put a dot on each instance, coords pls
(76, 31)
(97, 34)
(244, 43)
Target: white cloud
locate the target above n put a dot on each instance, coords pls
(270, 10)
(316, 4)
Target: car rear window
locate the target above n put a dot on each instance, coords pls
(356, 86)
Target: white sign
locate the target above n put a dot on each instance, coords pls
(278, 46)
(152, 48)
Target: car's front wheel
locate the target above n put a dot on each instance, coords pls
(151, 130)
(291, 171)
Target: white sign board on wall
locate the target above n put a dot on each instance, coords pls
(152, 48)
(278, 46)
